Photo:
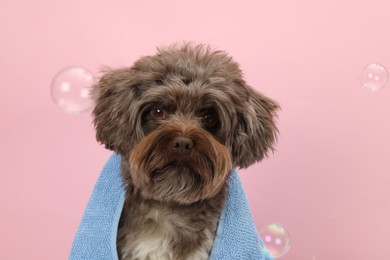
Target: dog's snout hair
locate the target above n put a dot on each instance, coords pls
(158, 168)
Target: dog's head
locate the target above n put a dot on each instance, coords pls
(183, 119)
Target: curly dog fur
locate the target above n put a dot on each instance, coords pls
(181, 120)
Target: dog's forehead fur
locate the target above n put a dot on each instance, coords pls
(190, 78)
(190, 63)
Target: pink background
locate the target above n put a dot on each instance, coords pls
(328, 182)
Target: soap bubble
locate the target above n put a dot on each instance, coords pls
(276, 239)
(70, 90)
(374, 77)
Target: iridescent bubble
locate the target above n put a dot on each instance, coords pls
(276, 239)
(374, 77)
(70, 90)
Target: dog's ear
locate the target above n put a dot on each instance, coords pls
(114, 114)
(256, 132)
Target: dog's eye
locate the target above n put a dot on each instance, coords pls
(159, 112)
(210, 120)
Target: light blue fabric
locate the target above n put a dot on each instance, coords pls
(236, 236)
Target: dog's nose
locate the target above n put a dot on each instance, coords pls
(182, 145)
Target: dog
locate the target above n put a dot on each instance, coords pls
(181, 120)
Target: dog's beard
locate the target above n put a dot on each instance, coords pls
(164, 175)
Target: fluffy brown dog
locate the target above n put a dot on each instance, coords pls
(181, 120)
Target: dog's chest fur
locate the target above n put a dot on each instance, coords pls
(149, 229)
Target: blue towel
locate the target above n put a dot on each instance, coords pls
(236, 236)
